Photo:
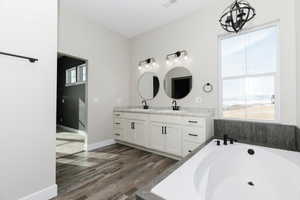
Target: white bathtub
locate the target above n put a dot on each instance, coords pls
(231, 173)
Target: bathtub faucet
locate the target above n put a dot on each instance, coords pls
(226, 139)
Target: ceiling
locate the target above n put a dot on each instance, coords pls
(133, 17)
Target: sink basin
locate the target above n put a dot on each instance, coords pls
(170, 111)
(139, 110)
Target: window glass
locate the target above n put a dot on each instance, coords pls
(249, 69)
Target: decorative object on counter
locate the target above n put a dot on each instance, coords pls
(236, 15)
(176, 57)
(178, 83)
(175, 106)
(148, 64)
(148, 86)
(208, 88)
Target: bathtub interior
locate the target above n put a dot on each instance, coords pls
(229, 172)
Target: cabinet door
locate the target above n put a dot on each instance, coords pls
(140, 133)
(173, 143)
(129, 134)
(157, 138)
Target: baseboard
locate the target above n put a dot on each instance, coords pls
(98, 145)
(44, 194)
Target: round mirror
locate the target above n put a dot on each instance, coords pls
(148, 86)
(178, 83)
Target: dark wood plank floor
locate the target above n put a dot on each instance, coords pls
(112, 173)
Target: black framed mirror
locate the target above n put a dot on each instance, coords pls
(148, 86)
(178, 83)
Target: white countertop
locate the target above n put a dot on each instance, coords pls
(193, 112)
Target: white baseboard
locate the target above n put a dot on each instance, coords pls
(44, 194)
(98, 145)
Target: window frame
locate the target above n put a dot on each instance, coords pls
(275, 74)
(76, 69)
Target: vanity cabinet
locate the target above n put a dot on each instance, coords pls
(174, 136)
(135, 132)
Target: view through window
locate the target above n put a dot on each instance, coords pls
(248, 75)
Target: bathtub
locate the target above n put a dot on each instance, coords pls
(234, 172)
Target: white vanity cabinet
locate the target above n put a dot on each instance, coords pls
(135, 132)
(165, 138)
(171, 135)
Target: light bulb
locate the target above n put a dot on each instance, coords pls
(147, 66)
(176, 60)
(140, 68)
(186, 58)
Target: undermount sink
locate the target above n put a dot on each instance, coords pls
(170, 111)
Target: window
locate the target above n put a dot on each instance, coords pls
(249, 75)
(76, 75)
(81, 73)
(71, 76)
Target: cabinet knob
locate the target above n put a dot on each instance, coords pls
(190, 151)
(193, 135)
(193, 122)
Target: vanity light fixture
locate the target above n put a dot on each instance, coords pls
(148, 63)
(176, 57)
(236, 15)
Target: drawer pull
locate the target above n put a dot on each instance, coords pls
(193, 135)
(117, 115)
(193, 122)
(117, 134)
(190, 151)
(117, 123)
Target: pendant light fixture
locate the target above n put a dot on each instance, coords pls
(235, 16)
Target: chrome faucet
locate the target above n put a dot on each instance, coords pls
(174, 105)
(145, 105)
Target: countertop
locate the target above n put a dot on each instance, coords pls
(191, 112)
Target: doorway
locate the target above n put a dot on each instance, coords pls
(71, 112)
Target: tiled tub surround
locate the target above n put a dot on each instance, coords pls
(264, 132)
(280, 136)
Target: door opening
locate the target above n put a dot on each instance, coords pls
(71, 112)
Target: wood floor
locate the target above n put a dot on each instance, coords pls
(112, 173)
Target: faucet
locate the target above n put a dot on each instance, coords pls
(226, 139)
(145, 105)
(174, 105)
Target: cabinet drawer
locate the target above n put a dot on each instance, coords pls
(189, 147)
(117, 114)
(166, 119)
(193, 121)
(117, 134)
(117, 123)
(194, 134)
(135, 116)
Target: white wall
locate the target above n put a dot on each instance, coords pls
(108, 68)
(297, 22)
(198, 34)
(28, 97)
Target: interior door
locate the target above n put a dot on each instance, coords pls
(173, 140)
(157, 137)
(140, 134)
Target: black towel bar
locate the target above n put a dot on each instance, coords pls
(32, 60)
